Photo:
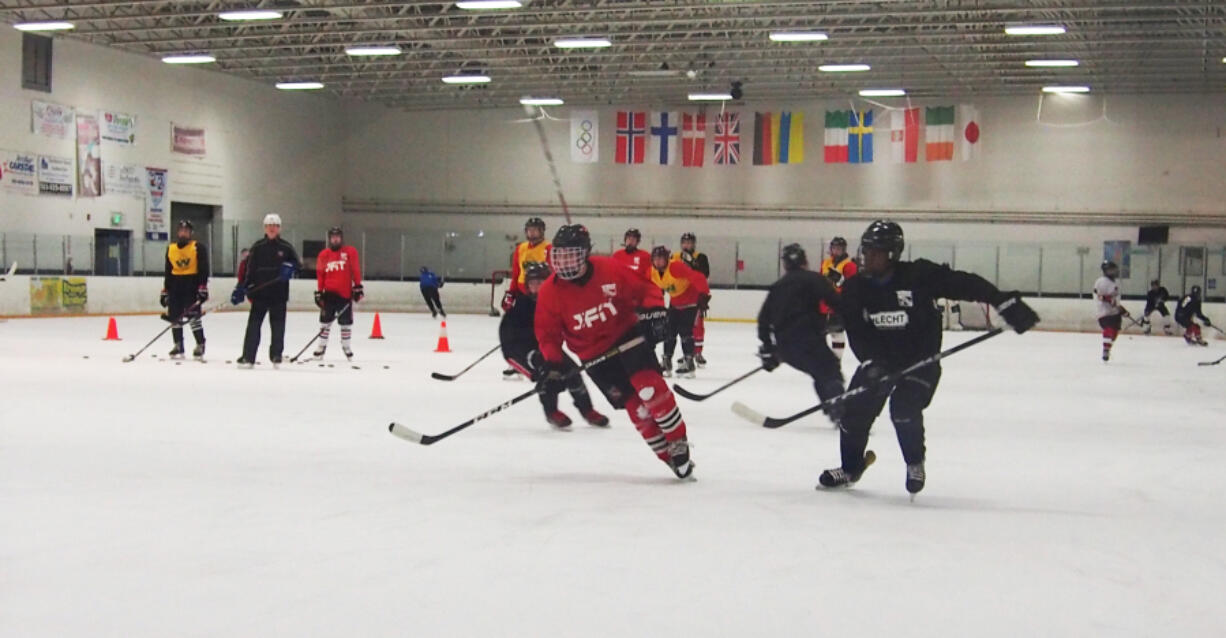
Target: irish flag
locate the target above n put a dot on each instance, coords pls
(778, 138)
(939, 131)
(904, 135)
(837, 123)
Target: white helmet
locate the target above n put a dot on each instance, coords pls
(272, 219)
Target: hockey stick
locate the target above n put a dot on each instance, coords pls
(179, 321)
(294, 359)
(703, 397)
(553, 169)
(452, 377)
(408, 434)
(749, 414)
(1212, 363)
(12, 269)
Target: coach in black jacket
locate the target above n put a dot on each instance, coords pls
(270, 265)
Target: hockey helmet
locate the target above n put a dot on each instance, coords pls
(272, 219)
(633, 232)
(535, 222)
(1155, 283)
(572, 245)
(536, 271)
(1110, 268)
(183, 223)
(1195, 291)
(840, 242)
(793, 257)
(885, 235)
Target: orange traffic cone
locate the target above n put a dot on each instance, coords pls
(112, 331)
(443, 344)
(376, 331)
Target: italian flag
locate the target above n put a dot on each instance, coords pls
(939, 131)
(836, 136)
(904, 135)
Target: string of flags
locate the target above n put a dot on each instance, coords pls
(694, 139)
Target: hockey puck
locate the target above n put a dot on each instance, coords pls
(178, 363)
(85, 357)
(331, 366)
(322, 365)
(385, 367)
(228, 361)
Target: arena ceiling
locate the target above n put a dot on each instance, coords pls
(660, 50)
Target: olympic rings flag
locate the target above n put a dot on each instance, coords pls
(584, 137)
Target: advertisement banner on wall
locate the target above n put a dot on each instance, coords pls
(123, 179)
(187, 140)
(1119, 252)
(55, 175)
(52, 120)
(118, 127)
(89, 157)
(156, 220)
(17, 173)
(55, 295)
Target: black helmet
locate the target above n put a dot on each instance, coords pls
(661, 251)
(1108, 265)
(535, 222)
(1155, 283)
(633, 232)
(424, 270)
(1195, 292)
(689, 237)
(839, 241)
(536, 271)
(793, 257)
(183, 223)
(885, 235)
(336, 230)
(572, 245)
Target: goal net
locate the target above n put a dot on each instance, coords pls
(969, 315)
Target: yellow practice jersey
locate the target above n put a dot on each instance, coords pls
(674, 286)
(845, 268)
(526, 252)
(183, 261)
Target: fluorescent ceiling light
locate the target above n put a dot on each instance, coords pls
(43, 26)
(371, 50)
(654, 73)
(541, 101)
(466, 78)
(299, 86)
(882, 92)
(1034, 29)
(843, 68)
(190, 58)
(1052, 63)
(234, 16)
(710, 97)
(1066, 89)
(798, 36)
(582, 43)
(480, 5)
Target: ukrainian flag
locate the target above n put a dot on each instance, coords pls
(788, 135)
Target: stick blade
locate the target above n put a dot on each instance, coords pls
(749, 414)
(1208, 363)
(129, 358)
(407, 434)
(442, 377)
(689, 395)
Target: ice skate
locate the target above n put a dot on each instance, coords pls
(177, 351)
(595, 418)
(666, 366)
(347, 351)
(838, 477)
(558, 420)
(198, 352)
(510, 375)
(679, 459)
(686, 369)
(319, 352)
(276, 360)
(915, 478)
(244, 364)
(700, 360)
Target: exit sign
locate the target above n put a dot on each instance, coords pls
(117, 219)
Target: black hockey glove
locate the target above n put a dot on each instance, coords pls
(654, 322)
(770, 360)
(870, 375)
(1017, 314)
(704, 304)
(202, 294)
(508, 300)
(835, 277)
(358, 292)
(239, 294)
(164, 299)
(551, 381)
(319, 299)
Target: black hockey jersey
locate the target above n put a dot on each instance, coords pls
(793, 303)
(517, 332)
(1188, 308)
(897, 321)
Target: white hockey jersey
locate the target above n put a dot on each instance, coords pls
(1107, 292)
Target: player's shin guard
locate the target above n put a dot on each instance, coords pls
(700, 333)
(647, 427)
(1109, 335)
(346, 334)
(578, 393)
(650, 388)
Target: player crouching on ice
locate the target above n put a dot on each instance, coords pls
(517, 335)
(594, 304)
(1186, 314)
(893, 321)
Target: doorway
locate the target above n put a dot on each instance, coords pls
(112, 252)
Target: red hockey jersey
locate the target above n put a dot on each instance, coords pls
(591, 317)
(639, 261)
(338, 271)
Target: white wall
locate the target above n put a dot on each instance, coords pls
(267, 150)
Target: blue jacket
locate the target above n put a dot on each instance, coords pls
(430, 280)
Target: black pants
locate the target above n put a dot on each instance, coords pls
(908, 398)
(612, 376)
(680, 325)
(255, 322)
(807, 351)
(177, 305)
(1160, 307)
(533, 363)
(334, 304)
(432, 300)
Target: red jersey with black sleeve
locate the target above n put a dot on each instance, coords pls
(591, 314)
(639, 261)
(338, 271)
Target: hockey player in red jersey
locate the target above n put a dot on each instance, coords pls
(594, 304)
(688, 295)
(338, 278)
(632, 256)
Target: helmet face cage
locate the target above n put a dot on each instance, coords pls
(569, 262)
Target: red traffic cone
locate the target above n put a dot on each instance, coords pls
(112, 331)
(443, 344)
(376, 331)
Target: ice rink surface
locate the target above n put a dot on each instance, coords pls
(1065, 497)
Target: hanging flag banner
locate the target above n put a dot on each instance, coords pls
(836, 136)
(663, 134)
(55, 175)
(584, 137)
(631, 137)
(693, 139)
(17, 173)
(904, 135)
(118, 127)
(763, 140)
(156, 219)
(125, 179)
(727, 141)
(89, 157)
(968, 131)
(939, 133)
(779, 138)
(187, 140)
(52, 120)
(860, 137)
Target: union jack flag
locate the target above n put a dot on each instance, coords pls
(631, 137)
(727, 142)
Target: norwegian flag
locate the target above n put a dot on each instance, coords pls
(693, 138)
(631, 137)
(727, 141)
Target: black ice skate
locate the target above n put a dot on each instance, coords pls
(700, 360)
(558, 420)
(687, 368)
(510, 375)
(244, 364)
(915, 478)
(177, 351)
(666, 366)
(679, 459)
(347, 351)
(198, 352)
(276, 360)
(837, 477)
(319, 352)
